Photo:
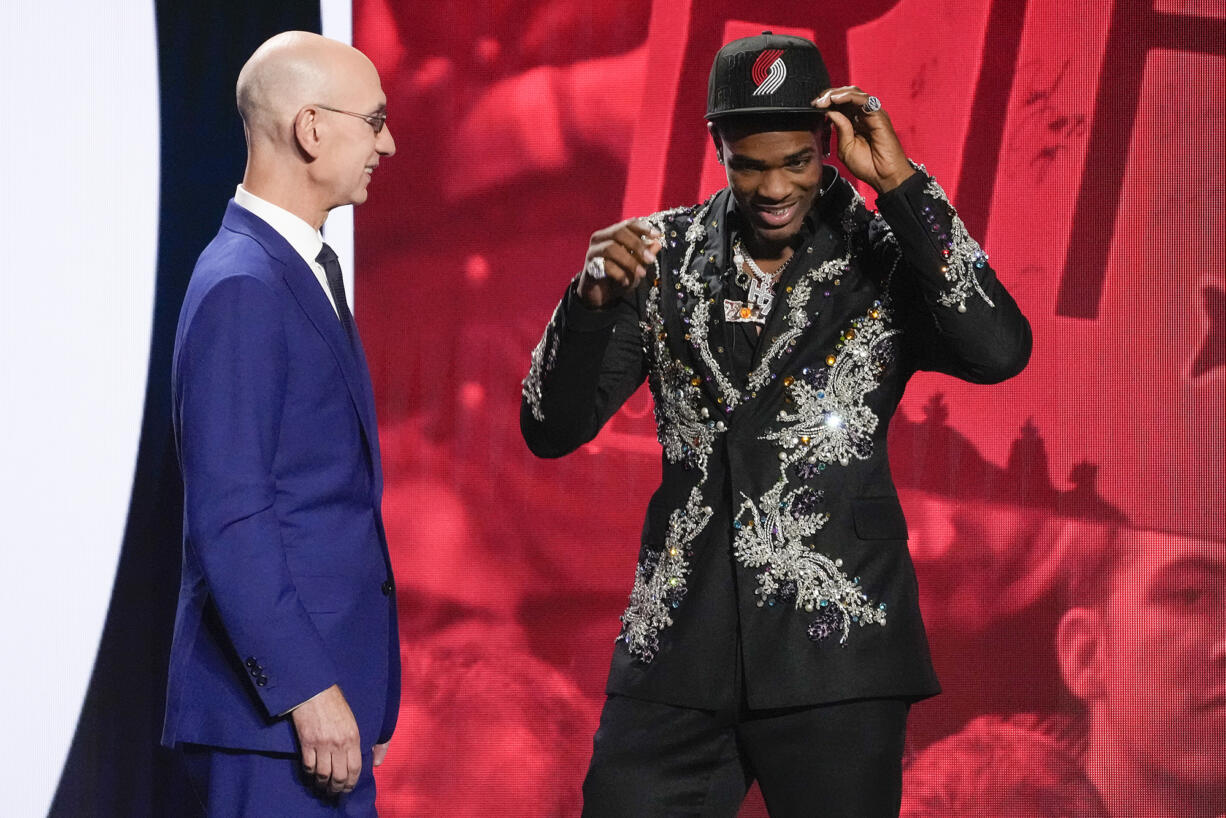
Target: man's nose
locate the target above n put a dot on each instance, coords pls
(384, 143)
(1217, 647)
(775, 185)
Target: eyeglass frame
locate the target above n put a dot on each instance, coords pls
(375, 121)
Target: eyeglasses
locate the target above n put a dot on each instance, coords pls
(376, 121)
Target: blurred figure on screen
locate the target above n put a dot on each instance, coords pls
(484, 730)
(1003, 767)
(1143, 647)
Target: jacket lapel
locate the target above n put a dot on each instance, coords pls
(310, 297)
(697, 320)
(821, 246)
(370, 422)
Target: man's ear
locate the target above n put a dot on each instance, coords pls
(307, 131)
(1080, 643)
(719, 144)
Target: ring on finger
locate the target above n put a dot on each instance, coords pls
(871, 105)
(595, 268)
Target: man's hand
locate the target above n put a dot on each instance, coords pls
(380, 753)
(328, 734)
(626, 248)
(868, 146)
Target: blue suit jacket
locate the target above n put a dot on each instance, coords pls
(286, 584)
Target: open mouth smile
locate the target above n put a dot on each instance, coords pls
(775, 216)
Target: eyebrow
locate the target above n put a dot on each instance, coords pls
(787, 160)
(1198, 564)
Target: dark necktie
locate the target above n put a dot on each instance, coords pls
(332, 269)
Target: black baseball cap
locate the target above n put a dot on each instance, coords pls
(766, 74)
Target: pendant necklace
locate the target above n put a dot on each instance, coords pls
(758, 284)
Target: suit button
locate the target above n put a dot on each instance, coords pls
(263, 680)
(386, 587)
(251, 661)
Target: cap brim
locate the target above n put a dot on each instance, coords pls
(807, 109)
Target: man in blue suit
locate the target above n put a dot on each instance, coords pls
(285, 671)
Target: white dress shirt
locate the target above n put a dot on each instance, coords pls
(306, 240)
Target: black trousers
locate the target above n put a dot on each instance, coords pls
(653, 760)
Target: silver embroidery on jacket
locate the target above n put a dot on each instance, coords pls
(544, 356)
(700, 324)
(830, 422)
(797, 316)
(683, 425)
(659, 579)
(771, 536)
(964, 258)
(687, 433)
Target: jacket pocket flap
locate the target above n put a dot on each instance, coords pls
(879, 518)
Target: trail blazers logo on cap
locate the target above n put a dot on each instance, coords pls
(766, 74)
(769, 71)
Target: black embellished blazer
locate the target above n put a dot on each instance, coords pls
(776, 531)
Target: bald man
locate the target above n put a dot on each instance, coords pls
(285, 671)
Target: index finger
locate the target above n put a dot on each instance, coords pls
(826, 98)
(645, 229)
(308, 759)
(849, 102)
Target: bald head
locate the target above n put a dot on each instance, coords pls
(315, 117)
(290, 70)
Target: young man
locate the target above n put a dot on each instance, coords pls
(773, 630)
(1143, 647)
(285, 667)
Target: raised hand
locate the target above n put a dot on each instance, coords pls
(617, 259)
(868, 146)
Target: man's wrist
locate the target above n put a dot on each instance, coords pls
(306, 700)
(893, 181)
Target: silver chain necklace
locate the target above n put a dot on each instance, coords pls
(759, 285)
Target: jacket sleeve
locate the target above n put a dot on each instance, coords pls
(587, 364)
(229, 390)
(965, 322)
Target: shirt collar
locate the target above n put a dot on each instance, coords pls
(306, 240)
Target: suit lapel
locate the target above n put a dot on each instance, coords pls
(692, 304)
(312, 300)
(371, 422)
(821, 246)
